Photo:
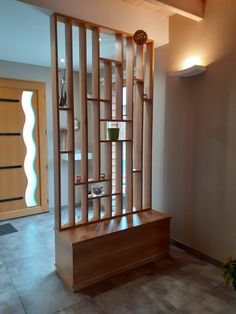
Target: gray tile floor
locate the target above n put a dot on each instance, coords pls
(178, 284)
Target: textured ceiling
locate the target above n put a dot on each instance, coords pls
(151, 5)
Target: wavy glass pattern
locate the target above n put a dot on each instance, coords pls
(30, 156)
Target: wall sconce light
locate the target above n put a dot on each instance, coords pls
(191, 67)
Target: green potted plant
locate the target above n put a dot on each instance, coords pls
(229, 272)
(113, 133)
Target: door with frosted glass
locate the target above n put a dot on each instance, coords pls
(23, 153)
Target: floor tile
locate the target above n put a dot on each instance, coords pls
(134, 297)
(84, 307)
(5, 280)
(48, 296)
(113, 282)
(10, 303)
(201, 270)
(30, 269)
(181, 257)
(15, 246)
(217, 301)
(177, 287)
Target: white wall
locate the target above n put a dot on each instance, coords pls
(195, 119)
(112, 13)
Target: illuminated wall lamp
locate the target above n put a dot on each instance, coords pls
(191, 67)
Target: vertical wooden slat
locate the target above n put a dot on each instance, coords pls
(96, 111)
(119, 115)
(151, 56)
(148, 71)
(108, 145)
(119, 168)
(108, 171)
(96, 114)
(56, 137)
(119, 75)
(147, 128)
(108, 88)
(129, 113)
(83, 122)
(70, 124)
(139, 61)
(137, 126)
(137, 190)
(119, 90)
(137, 144)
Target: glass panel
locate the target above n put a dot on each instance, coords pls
(64, 189)
(77, 204)
(62, 89)
(124, 175)
(63, 122)
(28, 136)
(107, 45)
(105, 205)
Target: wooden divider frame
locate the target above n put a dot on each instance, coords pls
(138, 119)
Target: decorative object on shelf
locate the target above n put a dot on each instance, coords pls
(102, 175)
(63, 138)
(140, 37)
(97, 190)
(145, 96)
(62, 89)
(76, 124)
(63, 130)
(113, 134)
(229, 272)
(77, 179)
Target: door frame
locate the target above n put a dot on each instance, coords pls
(40, 88)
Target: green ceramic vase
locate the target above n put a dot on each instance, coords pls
(113, 134)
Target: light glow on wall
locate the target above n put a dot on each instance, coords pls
(30, 156)
(191, 61)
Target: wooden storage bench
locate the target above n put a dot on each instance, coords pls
(88, 254)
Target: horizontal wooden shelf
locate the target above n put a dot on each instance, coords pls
(66, 152)
(147, 99)
(91, 196)
(115, 120)
(65, 108)
(98, 99)
(105, 100)
(92, 99)
(138, 80)
(116, 193)
(110, 141)
(137, 170)
(101, 180)
(91, 181)
(111, 60)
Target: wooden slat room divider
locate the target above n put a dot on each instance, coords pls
(131, 67)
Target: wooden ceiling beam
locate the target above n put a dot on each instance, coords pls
(193, 9)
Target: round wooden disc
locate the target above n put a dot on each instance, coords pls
(140, 37)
